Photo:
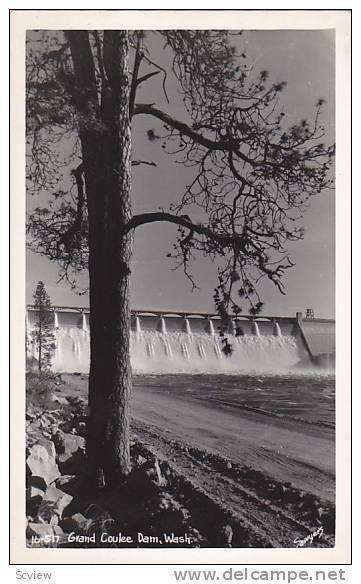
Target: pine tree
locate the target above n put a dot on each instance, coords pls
(42, 335)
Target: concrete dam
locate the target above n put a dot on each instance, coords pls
(184, 342)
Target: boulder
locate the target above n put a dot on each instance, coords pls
(71, 484)
(36, 482)
(74, 464)
(64, 480)
(42, 530)
(77, 523)
(67, 425)
(41, 462)
(46, 514)
(34, 433)
(54, 502)
(225, 536)
(59, 399)
(67, 444)
(156, 474)
(34, 495)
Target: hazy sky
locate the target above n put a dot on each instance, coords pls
(305, 59)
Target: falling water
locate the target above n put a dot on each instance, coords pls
(76, 347)
(167, 348)
(255, 329)
(217, 350)
(138, 327)
(277, 330)
(201, 353)
(201, 350)
(185, 351)
(162, 327)
(150, 350)
(84, 323)
(210, 327)
(187, 327)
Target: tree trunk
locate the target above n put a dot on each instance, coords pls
(39, 344)
(106, 147)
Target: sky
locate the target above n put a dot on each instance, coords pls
(305, 60)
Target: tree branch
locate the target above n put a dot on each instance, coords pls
(228, 144)
(146, 162)
(234, 241)
(147, 76)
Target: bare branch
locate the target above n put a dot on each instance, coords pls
(145, 77)
(227, 144)
(235, 241)
(150, 62)
(146, 162)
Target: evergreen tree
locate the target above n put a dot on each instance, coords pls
(42, 335)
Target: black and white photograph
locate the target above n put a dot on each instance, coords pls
(180, 316)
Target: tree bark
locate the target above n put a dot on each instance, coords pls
(39, 344)
(106, 148)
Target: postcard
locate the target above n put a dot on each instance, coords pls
(180, 375)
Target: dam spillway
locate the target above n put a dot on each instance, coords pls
(187, 343)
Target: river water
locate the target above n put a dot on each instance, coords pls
(307, 397)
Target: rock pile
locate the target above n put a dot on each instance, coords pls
(54, 458)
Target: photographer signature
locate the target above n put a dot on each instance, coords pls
(308, 538)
